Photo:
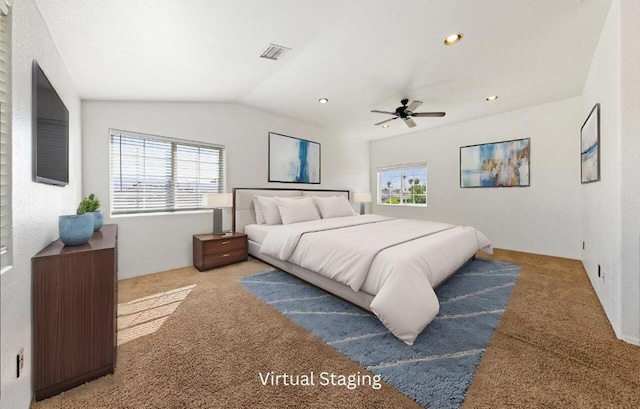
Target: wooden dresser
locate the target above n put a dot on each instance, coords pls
(75, 296)
(217, 250)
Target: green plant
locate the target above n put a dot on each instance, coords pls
(88, 204)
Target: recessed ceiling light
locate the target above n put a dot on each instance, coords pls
(385, 125)
(492, 98)
(323, 100)
(453, 38)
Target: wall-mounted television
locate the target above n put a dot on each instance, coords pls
(50, 132)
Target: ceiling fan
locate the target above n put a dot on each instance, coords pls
(406, 112)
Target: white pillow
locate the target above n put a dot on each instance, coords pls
(334, 206)
(269, 209)
(259, 215)
(297, 210)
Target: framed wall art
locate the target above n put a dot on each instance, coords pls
(590, 147)
(293, 160)
(496, 164)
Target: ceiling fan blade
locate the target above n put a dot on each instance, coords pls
(409, 122)
(428, 114)
(386, 120)
(412, 106)
(383, 112)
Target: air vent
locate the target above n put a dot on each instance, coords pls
(274, 52)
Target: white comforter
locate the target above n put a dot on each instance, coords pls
(398, 261)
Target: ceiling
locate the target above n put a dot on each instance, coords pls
(361, 55)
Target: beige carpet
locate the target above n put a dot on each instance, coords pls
(199, 340)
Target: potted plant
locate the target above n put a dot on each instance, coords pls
(75, 229)
(91, 204)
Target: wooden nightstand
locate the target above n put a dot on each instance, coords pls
(217, 250)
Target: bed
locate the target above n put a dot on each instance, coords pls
(385, 265)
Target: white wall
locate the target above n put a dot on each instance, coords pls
(152, 243)
(601, 222)
(36, 206)
(630, 181)
(610, 207)
(543, 218)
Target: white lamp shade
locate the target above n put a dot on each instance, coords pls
(217, 200)
(362, 197)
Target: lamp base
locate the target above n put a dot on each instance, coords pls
(217, 221)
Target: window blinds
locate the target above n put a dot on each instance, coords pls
(403, 167)
(155, 174)
(5, 139)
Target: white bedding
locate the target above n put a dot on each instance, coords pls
(257, 232)
(398, 261)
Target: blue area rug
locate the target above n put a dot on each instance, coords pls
(437, 370)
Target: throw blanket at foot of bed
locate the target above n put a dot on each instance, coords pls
(398, 261)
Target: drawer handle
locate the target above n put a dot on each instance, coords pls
(226, 242)
(225, 255)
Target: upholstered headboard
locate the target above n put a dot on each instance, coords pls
(244, 213)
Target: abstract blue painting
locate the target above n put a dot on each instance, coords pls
(498, 164)
(293, 160)
(590, 147)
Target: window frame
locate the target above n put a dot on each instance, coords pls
(6, 229)
(172, 190)
(402, 168)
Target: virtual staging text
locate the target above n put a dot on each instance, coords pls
(349, 381)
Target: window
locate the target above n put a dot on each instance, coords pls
(156, 174)
(5, 137)
(403, 185)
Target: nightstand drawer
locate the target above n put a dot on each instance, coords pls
(217, 250)
(223, 245)
(224, 258)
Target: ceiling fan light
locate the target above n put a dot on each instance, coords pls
(405, 112)
(453, 38)
(323, 100)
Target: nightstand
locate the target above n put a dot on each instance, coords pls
(217, 250)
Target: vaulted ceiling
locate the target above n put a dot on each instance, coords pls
(361, 55)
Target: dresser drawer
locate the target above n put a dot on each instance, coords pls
(224, 245)
(224, 258)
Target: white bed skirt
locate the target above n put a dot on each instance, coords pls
(360, 298)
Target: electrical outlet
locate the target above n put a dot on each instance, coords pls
(20, 362)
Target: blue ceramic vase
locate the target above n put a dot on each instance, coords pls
(98, 219)
(75, 229)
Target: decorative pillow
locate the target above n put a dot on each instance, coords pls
(297, 210)
(334, 206)
(269, 209)
(259, 215)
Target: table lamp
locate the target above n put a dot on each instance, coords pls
(362, 198)
(217, 201)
